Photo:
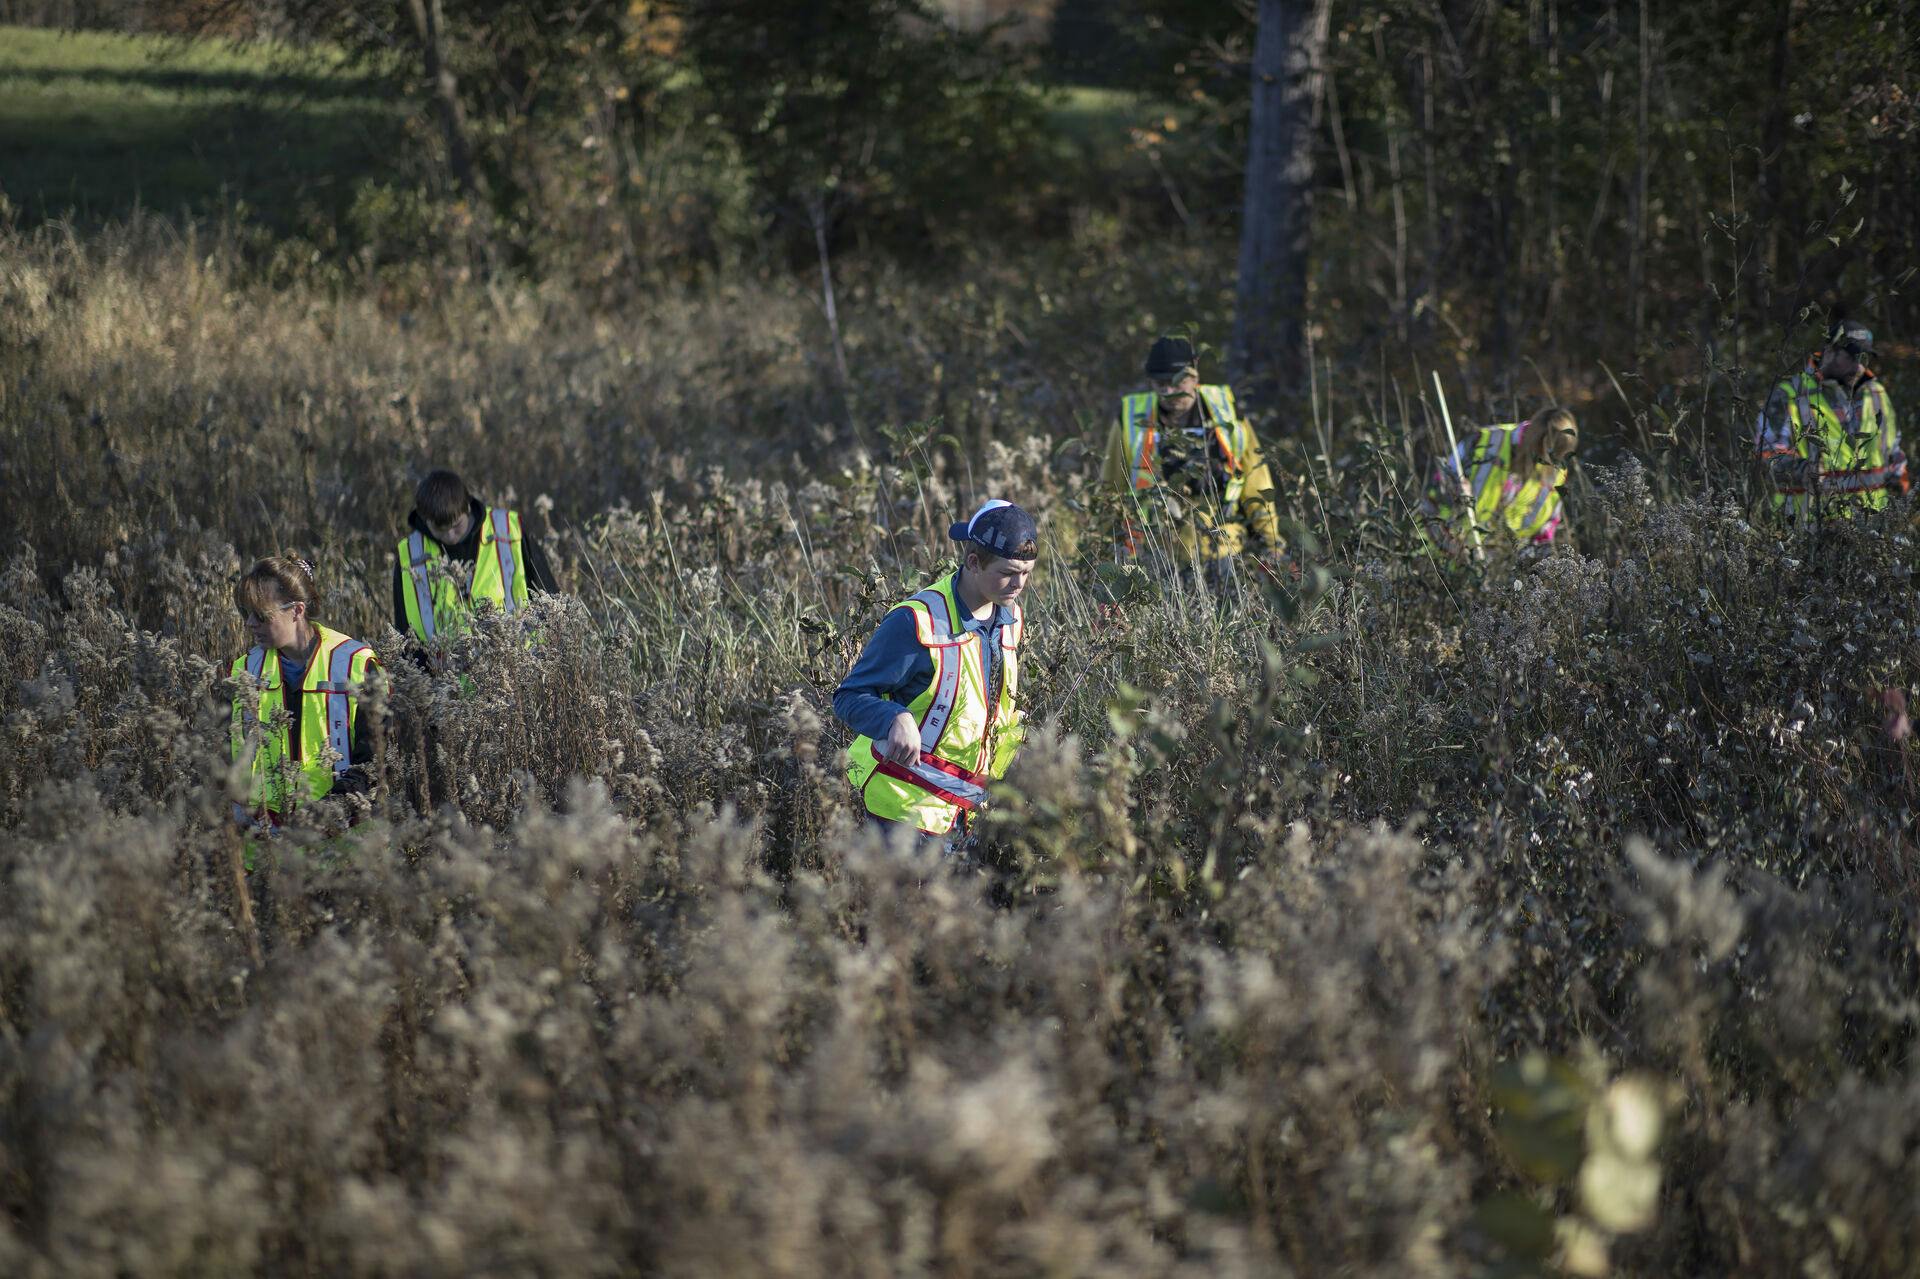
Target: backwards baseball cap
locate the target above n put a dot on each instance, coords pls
(1002, 528)
(1170, 357)
(1851, 335)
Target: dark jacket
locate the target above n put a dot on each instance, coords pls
(894, 668)
(467, 551)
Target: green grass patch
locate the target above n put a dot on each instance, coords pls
(1098, 119)
(93, 126)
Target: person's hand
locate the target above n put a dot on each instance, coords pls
(1460, 545)
(1796, 473)
(903, 741)
(1274, 567)
(252, 821)
(1441, 534)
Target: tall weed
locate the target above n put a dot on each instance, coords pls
(1254, 968)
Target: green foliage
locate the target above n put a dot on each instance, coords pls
(1488, 192)
(395, 224)
(871, 108)
(1564, 1125)
(94, 125)
(616, 151)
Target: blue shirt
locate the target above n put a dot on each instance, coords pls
(894, 668)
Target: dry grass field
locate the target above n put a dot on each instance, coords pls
(1388, 924)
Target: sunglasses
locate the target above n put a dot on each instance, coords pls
(252, 618)
(1167, 384)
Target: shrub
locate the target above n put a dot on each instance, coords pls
(1324, 932)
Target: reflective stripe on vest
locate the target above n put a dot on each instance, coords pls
(1804, 402)
(1226, 429)
(947, 781)
(1800, 413)
(1537, 516)
(1499, 452)
(1137, 410)
(256, 666)
(325, 726)
(946, 673)
(1856, 481)
(503, 547)
(256, 663)
(1851, 448)
(422, 590)
(339, 690)
(1878, 399)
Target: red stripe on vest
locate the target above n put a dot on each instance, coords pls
(952, 769)
(893, 770)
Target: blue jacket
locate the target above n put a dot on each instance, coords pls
(894, 669)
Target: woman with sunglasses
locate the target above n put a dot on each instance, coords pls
(296, 711)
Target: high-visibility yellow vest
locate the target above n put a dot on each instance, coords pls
(1525, 509)
(436, 607)
(331, 707)
(1136, 412)
(1859, 460)
(966, 740)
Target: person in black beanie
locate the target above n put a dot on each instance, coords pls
(1187, 468)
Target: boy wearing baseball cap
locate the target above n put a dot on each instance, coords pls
(932, 697)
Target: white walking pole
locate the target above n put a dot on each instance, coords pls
(1453, 451)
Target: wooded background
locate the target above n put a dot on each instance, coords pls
(1535, 189)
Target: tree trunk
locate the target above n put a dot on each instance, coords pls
(816, 202)
(1642, 144)
(1556, 254)
(1429, 151)
(1269, 346)
(429, 26)
(1773, 139)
